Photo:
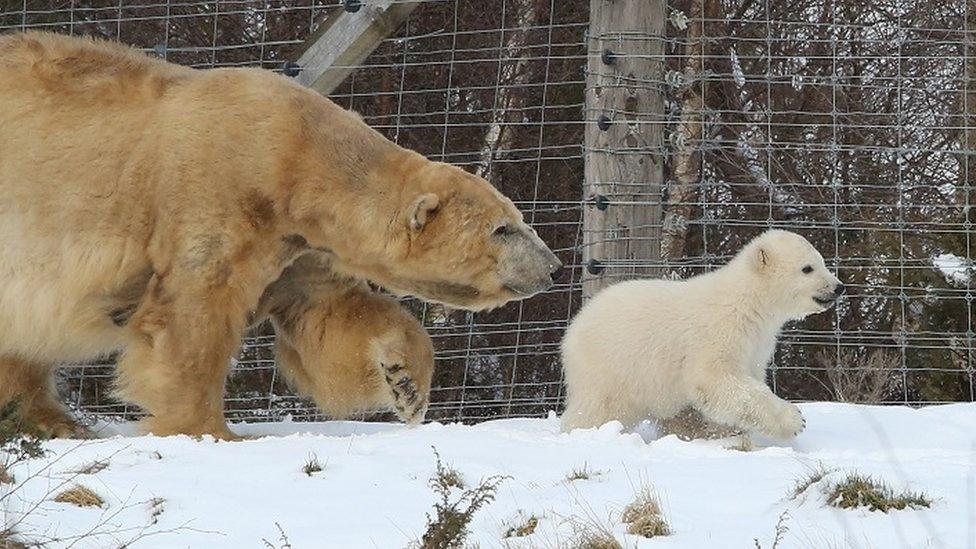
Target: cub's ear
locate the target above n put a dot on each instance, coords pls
(762, 258)
(421, 209)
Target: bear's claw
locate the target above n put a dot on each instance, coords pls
(786, 423)
(409, 405)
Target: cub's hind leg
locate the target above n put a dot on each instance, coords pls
(31, 384)
(689, 424)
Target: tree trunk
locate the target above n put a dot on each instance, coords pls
(687, 173)
(509, 95)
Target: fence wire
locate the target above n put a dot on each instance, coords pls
(849, 122)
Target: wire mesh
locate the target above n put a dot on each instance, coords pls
(846, 121)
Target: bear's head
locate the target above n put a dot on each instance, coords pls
(792, 274)
(412, 225)
(460, 242)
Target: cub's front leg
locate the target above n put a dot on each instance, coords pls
(746, 403)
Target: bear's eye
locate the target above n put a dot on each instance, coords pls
(808, 269)
(502, 230)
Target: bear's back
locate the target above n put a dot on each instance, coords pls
(80, 66)
(637, 304)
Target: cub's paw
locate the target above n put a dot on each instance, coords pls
(410, 405)
(786, 422)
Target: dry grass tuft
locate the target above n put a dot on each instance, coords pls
(649, 526)
(449, 477)
(7, 541)
(448, 528)
(80, 496)
(312, 465)
(525, 527)
(812, 477)
(856, 490)
(582, 473)
(595, 538)
(92, 468)
(5, 477)
(283, 540)
(780, 532)
(643, 516)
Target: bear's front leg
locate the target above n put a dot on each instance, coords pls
(409, 402)
(745, 403)
(31, 385)
(176, 362)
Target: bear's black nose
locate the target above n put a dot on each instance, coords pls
(556, 272)
(840, 289)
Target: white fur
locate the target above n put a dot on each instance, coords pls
(650, 348)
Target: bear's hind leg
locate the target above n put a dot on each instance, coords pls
(32, 385)
(577, 415)
(595, 410)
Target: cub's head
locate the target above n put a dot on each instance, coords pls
(453, 238)
(792, 273)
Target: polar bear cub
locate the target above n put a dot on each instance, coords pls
(652, 348)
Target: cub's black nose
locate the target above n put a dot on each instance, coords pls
(840, 289)
(557, 272)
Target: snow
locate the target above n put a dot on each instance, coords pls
(955, 269)
(373, 490)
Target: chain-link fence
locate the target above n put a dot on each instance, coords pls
(846, 121)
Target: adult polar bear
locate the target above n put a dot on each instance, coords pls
(160, 196)
(651, 348)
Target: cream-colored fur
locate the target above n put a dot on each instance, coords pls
(143, 205)
(651, 348)
(346, 346)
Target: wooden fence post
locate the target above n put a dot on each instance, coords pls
(624, 148)
(346, 38)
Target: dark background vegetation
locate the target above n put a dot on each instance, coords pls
(847, 121)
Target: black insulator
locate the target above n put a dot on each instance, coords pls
(290, 68)
(602, 202)
(352, 6)
(603, 122)
(608, 57)
(594, 267)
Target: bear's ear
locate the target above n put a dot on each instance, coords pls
(762, 258)
(421, 208)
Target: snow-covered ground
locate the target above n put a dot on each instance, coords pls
(373, 490)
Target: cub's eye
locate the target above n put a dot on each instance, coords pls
(808, 269)
(502, 230)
